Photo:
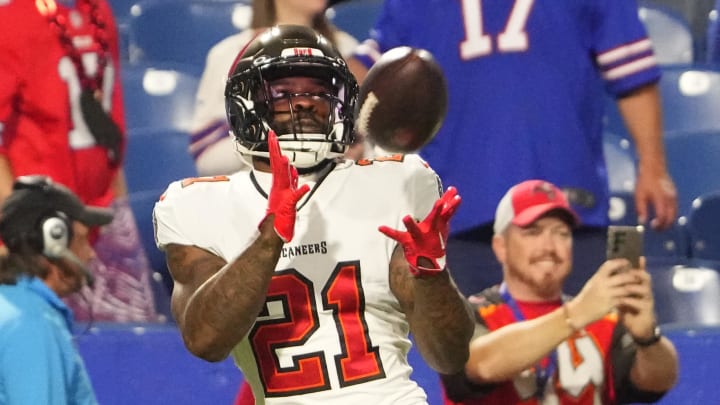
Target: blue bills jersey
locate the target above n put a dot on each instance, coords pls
(526, 85)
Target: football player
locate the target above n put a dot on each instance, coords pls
(285, 266)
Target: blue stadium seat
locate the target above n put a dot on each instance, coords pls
(667, 246)
(704, 226)
(669, 31)
(159, 96)
(121, 12)
(690, 101)
(713, 34)
(620, 160)
(148, 364)
(155, 158)
(121, 9)
(183, 31)
(686, 294)
(622, 208)
(693, 160)
(697, 347)
(690, 98)
(356, 17)
(142, 204)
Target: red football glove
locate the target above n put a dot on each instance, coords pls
(284, 193)
(427, 238)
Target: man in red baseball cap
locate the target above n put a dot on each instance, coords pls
(526, 202)
(533, 344)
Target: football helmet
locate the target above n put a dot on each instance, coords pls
(311, 125)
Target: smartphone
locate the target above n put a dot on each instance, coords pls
(625, 242)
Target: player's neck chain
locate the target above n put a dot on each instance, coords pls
(59, 23)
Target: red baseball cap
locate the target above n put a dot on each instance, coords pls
(525, 202)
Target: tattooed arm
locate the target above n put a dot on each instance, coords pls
(440, 319)
(215, 303)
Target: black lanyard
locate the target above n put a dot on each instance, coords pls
(542, 373)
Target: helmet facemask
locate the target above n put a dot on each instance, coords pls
(260, 96)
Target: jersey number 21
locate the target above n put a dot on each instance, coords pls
(358, 362)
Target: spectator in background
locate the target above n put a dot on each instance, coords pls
(211, 145)
(61, 115)
(45, 229)
(532, 344)
(526, 96)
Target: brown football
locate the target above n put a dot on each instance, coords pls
(403, 100)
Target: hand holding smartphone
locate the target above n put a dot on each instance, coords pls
(625, 242)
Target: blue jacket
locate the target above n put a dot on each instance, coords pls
(39, 363)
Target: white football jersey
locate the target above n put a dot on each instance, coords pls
(331, 330)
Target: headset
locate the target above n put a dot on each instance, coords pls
(56, 234)
(52, 234)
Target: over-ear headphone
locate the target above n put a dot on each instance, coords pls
(56, 232)
(46, 231)
(56, 235)
(52, 233)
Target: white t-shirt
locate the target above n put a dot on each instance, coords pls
(331, 329)
(211, 144)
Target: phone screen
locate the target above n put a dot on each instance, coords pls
(625, 242)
